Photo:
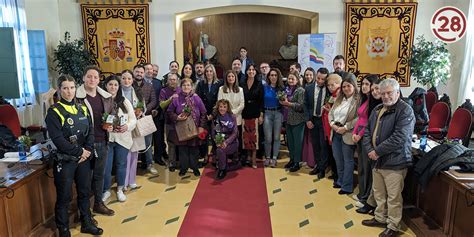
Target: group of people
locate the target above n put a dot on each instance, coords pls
(236, 117)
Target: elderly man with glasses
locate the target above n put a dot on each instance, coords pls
(387, 140)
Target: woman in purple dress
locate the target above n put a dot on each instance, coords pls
(187, 104)
(225, 134)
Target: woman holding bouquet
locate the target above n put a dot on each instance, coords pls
(134, 96)
(273, 92)
(120, 139)
(296, 121)
(187, 105)
(225, 133)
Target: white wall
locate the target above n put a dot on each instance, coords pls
(58, 16)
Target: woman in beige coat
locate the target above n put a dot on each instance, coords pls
(342, 118)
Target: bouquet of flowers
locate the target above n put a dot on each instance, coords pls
(187, 109)
(281, 95)
(220, 138)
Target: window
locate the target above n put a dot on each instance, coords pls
(12, 15)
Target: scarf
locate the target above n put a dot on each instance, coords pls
(189, 102)
(290, 91)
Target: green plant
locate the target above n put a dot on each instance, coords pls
(25, 140)
(105, 116)
(281, 95)
(140, 105)
(72, 57)
(430, 62)
(220, 138)
(187, 109)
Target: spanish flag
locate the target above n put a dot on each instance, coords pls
(190, 49)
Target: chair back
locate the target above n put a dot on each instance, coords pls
(431, 99)
(439, 116)
(9, 117)
(460, 125)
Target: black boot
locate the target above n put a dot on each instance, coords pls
(295, 167)
(64, 232)
(289, 164)
(89, 228)
(160, 162)
(196, 173)
(221, 174)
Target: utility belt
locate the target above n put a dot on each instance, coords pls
(61, 157)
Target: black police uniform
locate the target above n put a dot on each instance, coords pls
(70, 128)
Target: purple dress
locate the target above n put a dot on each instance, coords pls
(226, 125)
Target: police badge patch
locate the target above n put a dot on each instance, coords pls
(70, 121)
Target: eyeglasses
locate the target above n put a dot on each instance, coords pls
(263, 67)
(388, 93)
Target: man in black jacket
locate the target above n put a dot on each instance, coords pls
(387, 140)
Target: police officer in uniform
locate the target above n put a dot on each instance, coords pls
(70, 128)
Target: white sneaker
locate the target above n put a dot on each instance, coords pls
(152, 170)
(355, 197)
(106, 196)
(359, 204)
(132, 186)
(121, 196)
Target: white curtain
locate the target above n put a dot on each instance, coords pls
(12, 14)
(466, 84)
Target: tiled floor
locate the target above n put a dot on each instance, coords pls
(300, 205)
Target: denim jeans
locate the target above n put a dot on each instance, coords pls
(117, 155)
(344, 156)
(272, 129)
(98, 171)
(148, 153)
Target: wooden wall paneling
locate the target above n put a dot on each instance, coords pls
(262, 34)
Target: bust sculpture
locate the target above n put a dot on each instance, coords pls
(289, 50)
(209, 50)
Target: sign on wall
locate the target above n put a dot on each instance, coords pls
(379, 38)
(316, 51)
(117, 35)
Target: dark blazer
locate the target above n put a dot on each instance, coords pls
(208, 97)
(253, 99)
(309, 100)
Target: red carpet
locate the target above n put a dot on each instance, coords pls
(235, 206)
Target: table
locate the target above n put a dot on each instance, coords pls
(27, 198)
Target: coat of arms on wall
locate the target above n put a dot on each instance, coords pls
(379, 37)
(117, 35)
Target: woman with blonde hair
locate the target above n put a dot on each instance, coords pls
(207, 89)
